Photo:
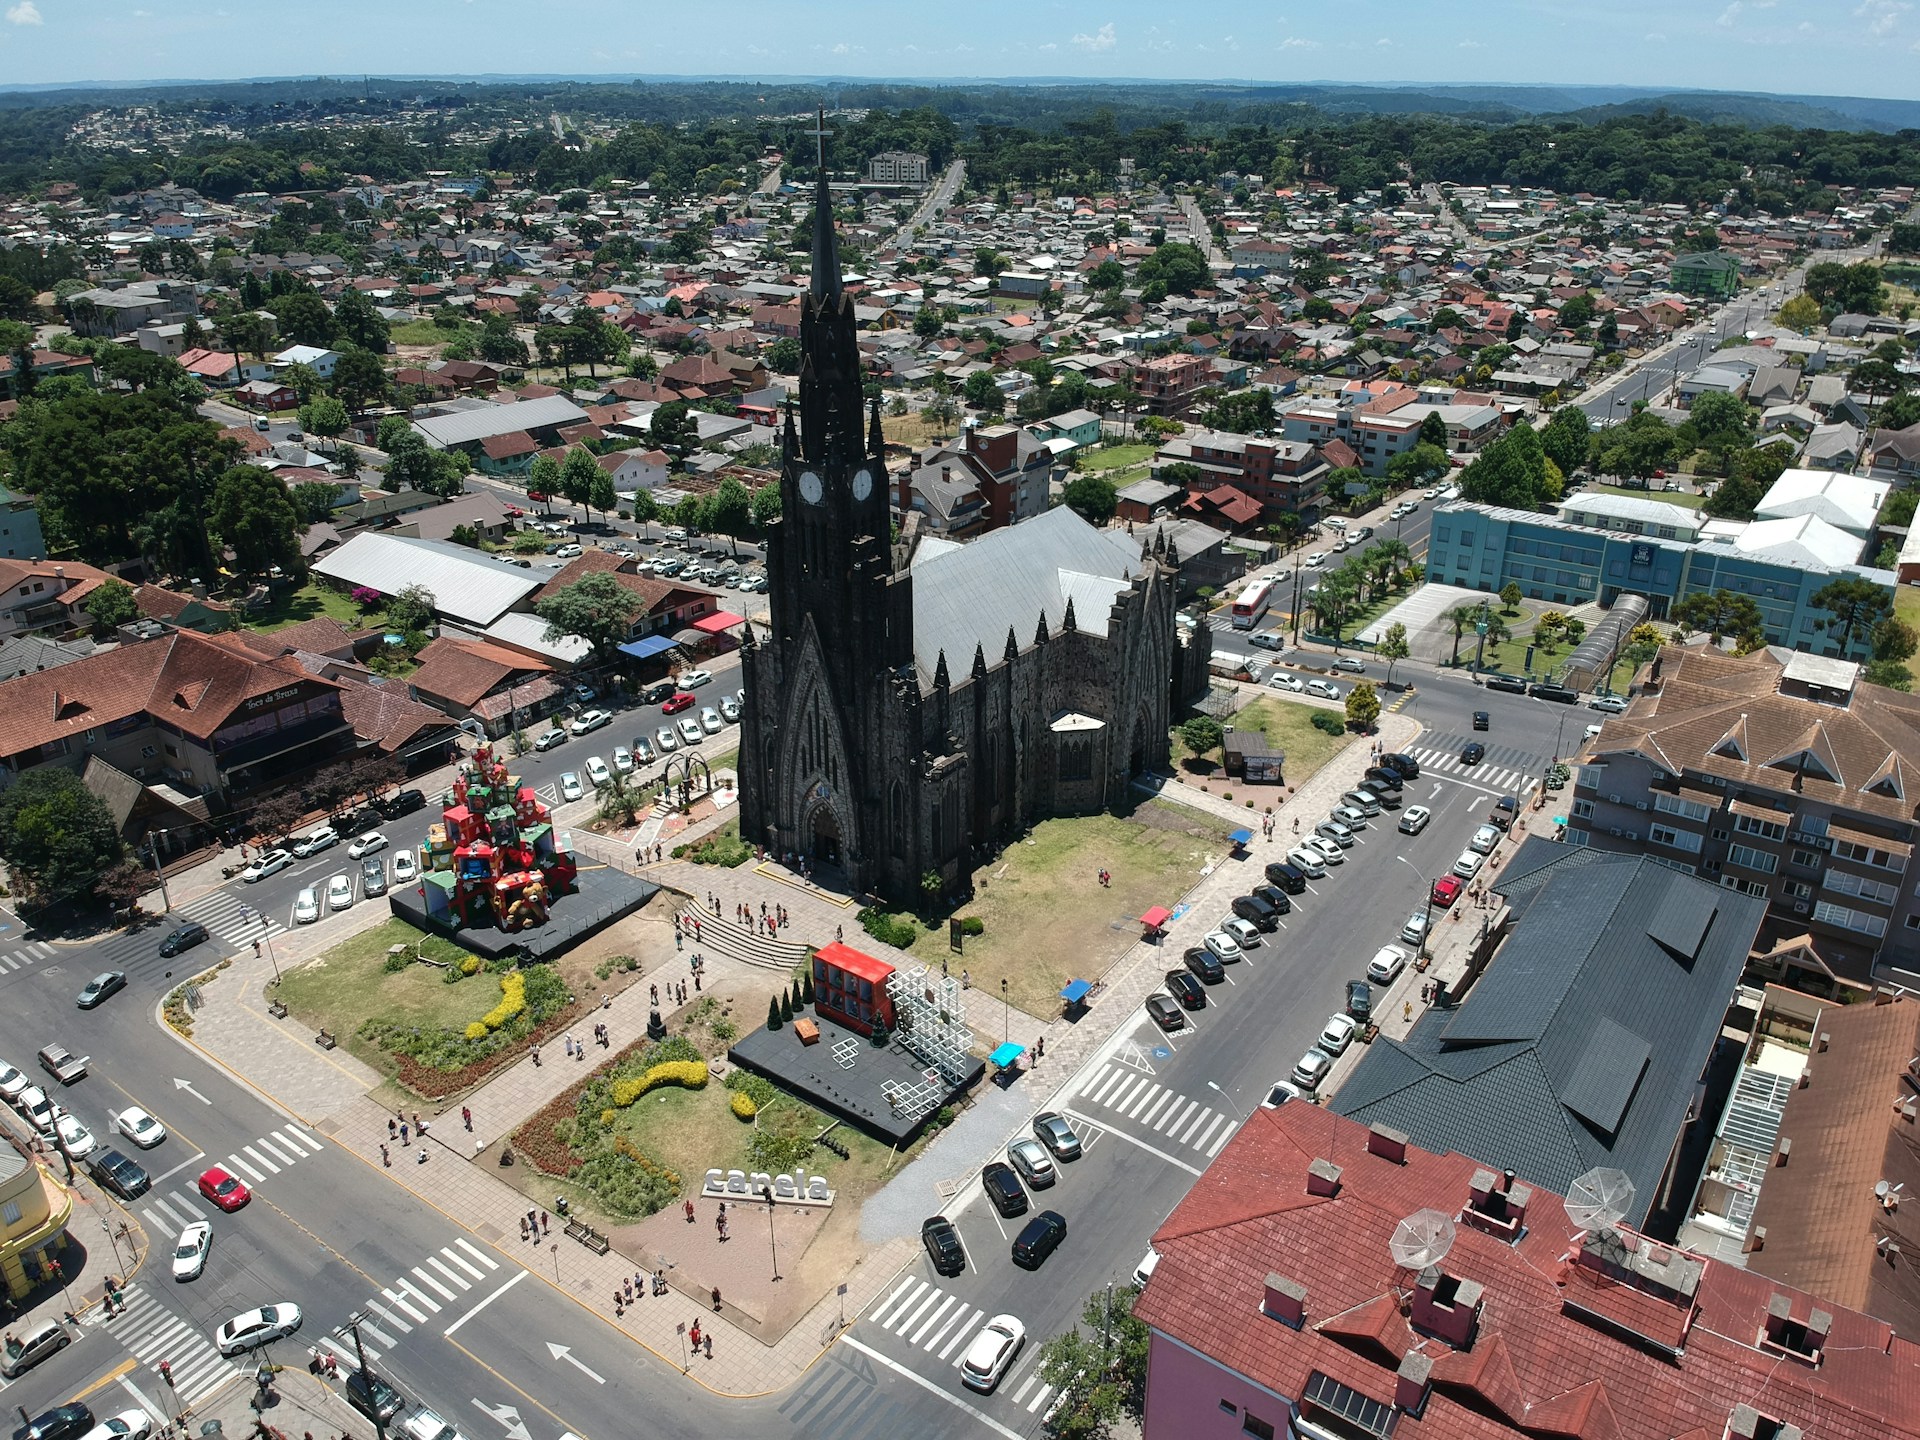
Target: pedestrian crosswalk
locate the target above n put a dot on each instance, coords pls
(414, 1299)
(25, 956)
(929, 1319)
(231, 917)
(1504, 768)
(837, 1399)
(156, 1335)
(261, 1158)
(1140, 1102)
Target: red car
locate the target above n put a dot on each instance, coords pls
(536, 497)
(514, 510)
(682, 700)
(223, 1189)
(1447, 889)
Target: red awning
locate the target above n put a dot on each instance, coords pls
(1156, 917)
(719, 622)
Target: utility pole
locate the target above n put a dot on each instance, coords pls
(166, 902)
(360, 1352)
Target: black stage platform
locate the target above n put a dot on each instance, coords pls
(851, 1092)
(605, 895)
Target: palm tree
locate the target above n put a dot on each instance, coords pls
(1460, 617)
(621, 799)
(1379, 566)
(1396, 552)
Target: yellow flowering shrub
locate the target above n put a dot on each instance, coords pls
(690, 1073)
(743, 1106)
(513, 999)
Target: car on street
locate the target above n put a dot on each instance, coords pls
(1003, 1188)
(1414, 932)
(1328, 851)
(12, 1081)
(1481, 720)
(1310, 863)
(224, 1189)
(406, 869)
(1191, 994)
(710, 720)
(1244, 933)
(549, 739)
(1472, 753)
(643, 751)
(1311, 1069)
(1446, 890)
(374, 1398)
(588, 721)
(190, 1250)
(680, 700)
(1352, 816)
(658, 692)
(106, 983)
(1468, 865)
(402, 802)
(41, 1112)
(1268, 640)
(991, 1353)
(1611, 704)
(257, 1327)
(1505, 811)
(1337, 1034)
(1414, 819)
(1383, 781)
(271, 863)
(585, 694)
(568, 551)
(1405, 766)
(74, 1137)
(1387, 963)
(570, 787)
(597, 772)
(1030, 1158)
(1279, 1093)
(689, 730)
(368, 844)
(121, 1174)
(1053, 1130)
(1040, 1238)
(666, 739)
(184, 937)
(944, 1249)
(315, 841)
(1325, 689)
(1285, 680)
(373, 876)
(729, 709)
(1316, 560)
(340, 892)
(1485, 838)
(1331, 829)
(140, 1127)
(63, 1422)
(306, 906)
(622, 760)
(1352, 664)
(1164, 1011)
(694, 679)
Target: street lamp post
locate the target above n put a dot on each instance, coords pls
(773, 1244)
(1006, 1013)
(360, 1352)
(1214, 1086)
(1426, 930)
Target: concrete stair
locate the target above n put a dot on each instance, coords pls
(735, 941)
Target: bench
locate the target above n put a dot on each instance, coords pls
(588, 1236)
(325, 1040)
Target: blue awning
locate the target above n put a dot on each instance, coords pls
(1075, 991)
(1241, 837)
(648, 647)
(1005, 1055)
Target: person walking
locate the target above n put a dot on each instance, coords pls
(403, 1134)
(423, 1154)
(466, 1118)
(393, 1128)
(534, 1051)
(689, 1209)
(385, 1158)
(543, 1222)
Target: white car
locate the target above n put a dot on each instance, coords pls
(590, 720)
(366, 845)
(622, 760)
(316, 842)
(666, 739)
(1611, 704)
(729, 709)
(1387, 963)
(643, 750)
(1285, 680)
(570, 787)
(271, 863)
(127, 1425)
(257, 1327)
(41, 1112)
(991, 1352)
(140, 1127)
(689, 730)
(1468, 865)
(1281, 1093)
(1314, 562)
(423, 1424)
(1337, 1035)
(340, 892)
(306, 906)
(1325, 689)
(693, 679)
(567, 552)
(1329, 852)
(710, 720)
(1414, 932)
(1222, 946)
(406, 869)
(597, 772)
(190, 1250)
(1485, 839)
(1414, 819)
(1311, 862)
(75, 1138)
(12, 1081)
(1353, 664)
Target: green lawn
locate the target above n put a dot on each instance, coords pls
(1117, 457)
(1906, 607)
(1288, 726)
(292, 607)
(1692, 502)
(420, 332)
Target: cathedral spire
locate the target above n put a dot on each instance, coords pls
(789, 441)
(1012, 651)
(1040, 634)
(876, 441)
(1067, 621)
(940, 680)
(979, 659)
(825, 284)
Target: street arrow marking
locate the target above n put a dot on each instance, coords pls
(507, 1416)
(564, 1352)
(180, 1084)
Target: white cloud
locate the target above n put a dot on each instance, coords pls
(1299, 42)
(25, 13)
(1730, 14)
(1050, 46)
(1386, 40)
(1101, 39)
(1881, 15)
(1655, 37)
(841, 48)
(1468, 45)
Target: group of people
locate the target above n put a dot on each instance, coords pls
(533, 1225)
(629, 1291)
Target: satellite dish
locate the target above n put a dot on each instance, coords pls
(1599, 1199)
(1422, 1239)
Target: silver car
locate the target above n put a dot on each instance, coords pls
(1333, 830)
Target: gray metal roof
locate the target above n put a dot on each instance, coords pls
(467, 586)
(1581, 1043)
(464, 426)
(971, 595)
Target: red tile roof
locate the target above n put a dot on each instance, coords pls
(1538, 1361)
(462, 671)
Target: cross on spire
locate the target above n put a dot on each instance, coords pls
(825, 282)
(820, 134)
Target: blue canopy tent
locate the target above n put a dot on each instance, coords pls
(1241, 839)
(1005, 1056)
(647, 647)
(1075, 991)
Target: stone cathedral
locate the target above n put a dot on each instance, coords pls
(912, 708)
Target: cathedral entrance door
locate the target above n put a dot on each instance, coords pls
(826, 835)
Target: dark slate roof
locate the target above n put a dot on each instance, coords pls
(1581, 1043)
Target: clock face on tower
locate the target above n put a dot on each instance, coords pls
(810, 487)
(862, 484)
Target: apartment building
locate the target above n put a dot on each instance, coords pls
(1283, 475)
(1167, 383)
(1778, 775)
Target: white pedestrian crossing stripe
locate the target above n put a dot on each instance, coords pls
(26, 956)
(449, 1273)
(153, 1333)
(1143, 1103)
(230, 917)
(929, 1319)
(172, 1210)
(1503, 769)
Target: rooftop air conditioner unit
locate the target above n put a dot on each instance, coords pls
(1800, 907)
(1639, 804)
(1613, 799)
(1614, 831)
(1631, 835)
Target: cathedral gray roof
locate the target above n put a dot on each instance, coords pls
(969, 595)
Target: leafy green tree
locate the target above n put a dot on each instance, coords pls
(1734, 498)
(359, 379)
(644, 509)
(577, 474)
(983, 394)
(1567, 438)
(253, 515)
(324, 416)
(1433, 431)
(1900, 412)
(1855, 289)
(1244, 412)
(314, 501)
(1721, 613)
(1098, 1369)
(356, 322)
(1510, 597)
(413, 609)
(674, 429)
(1393, 647)
(1180, 267)
(246, 332)
(1892, 674)
(543, 476)
(111, 605)
(56, 835)
(783, 356)
(766, 506)
(1512, 471)
(926, 324)
(1638, 447)
(1802, 312)
(1643, 643)
(1363, 706)
(604, 497)
(1421, 465)
(1856, 605)
(1202, 734)
(730, 512)
(1092, 498)
(304, 319)
(1894, 640)
(597, 608)
(1723, 423)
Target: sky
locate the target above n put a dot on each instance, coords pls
(1834, 47)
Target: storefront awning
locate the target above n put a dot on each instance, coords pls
(647, 647)
(719, 622)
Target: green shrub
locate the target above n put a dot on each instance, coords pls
(1330, 723)
(725, 1031)
(397, 963)
(973, 925)
(773, 1014)
(774, 1152)
(536, 994)
(888, 928)
(758, 1086)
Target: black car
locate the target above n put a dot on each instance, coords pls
(63, 1422)
(1281, 902)
(1204, 963)
(403, 802)
(658, 694)
(944, 1249)
(1040, 1238)
(1560, 694)
(1289, 877)
(1408, 767)
(184, 937)
(1481, 720)
(1003, 1188)
(373, 876)
(1511, 684)
(373, 1397)
(1383, 781)
(1165, 1011)
(1187, 990)
(1360, 1000)
(121, 1174)
(1256, 911)
(1473, 753)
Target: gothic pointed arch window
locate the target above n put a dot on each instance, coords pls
(897, 816)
